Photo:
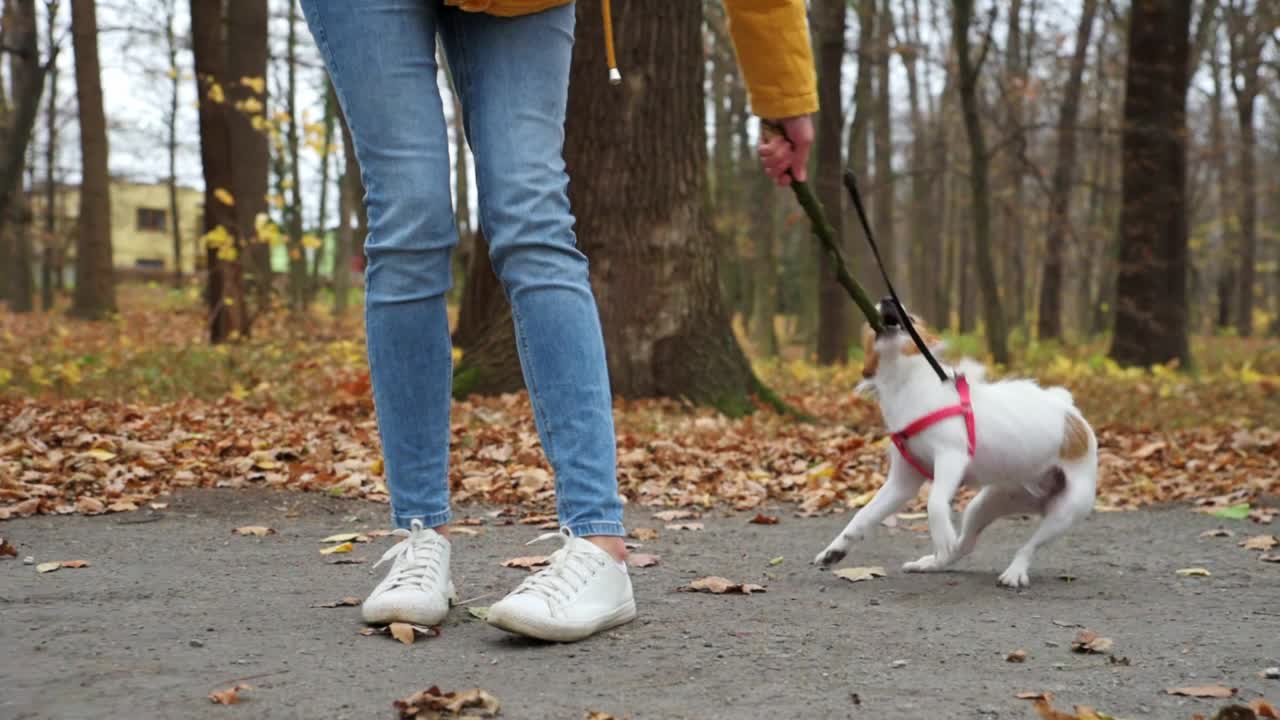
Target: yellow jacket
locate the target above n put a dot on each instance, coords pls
(771, 38)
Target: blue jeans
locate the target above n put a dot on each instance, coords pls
(512, 76)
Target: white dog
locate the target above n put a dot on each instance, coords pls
(1027, 448)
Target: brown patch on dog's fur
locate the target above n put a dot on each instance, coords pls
(1075, 438)
(930, 340)
(870, 356)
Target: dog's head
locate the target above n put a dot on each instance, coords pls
(894, 342)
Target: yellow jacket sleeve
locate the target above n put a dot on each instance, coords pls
(772, 42)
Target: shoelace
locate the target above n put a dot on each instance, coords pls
(415, 560)
(568, 572)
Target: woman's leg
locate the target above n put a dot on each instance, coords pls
(381, 57)
(513, 77)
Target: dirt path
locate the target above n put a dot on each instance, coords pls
(172, 609)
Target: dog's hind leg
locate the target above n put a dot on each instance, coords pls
(1071, 501)
(902, 485)
(991, 503)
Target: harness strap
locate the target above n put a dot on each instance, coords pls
(963, 408)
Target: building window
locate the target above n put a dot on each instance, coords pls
(151, 219)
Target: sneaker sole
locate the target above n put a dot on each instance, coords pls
(386, 618)
(558, 633)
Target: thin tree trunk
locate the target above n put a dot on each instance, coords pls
(350, 198)
(322, 214)
(225, 294)
(764, 268)
(1151, 290)
(50, 163)
(833, 304)
(175, 79)
(858, 155)
(1246, 31)
(247, 88)
(297, 254)
(979, 183)
(95, 284)
(1013, 238)
(1051, 291)
(884, 184)
(20, 32)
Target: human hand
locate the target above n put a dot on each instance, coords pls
(787, 157)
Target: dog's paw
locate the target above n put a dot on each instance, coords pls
(830, 556)
(1014, 578)
(928, 563)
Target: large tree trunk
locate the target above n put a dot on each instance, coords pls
(225, 295)
(1151, 289)
(24, 64)
(95, 295)
(764, 268)
(652, 267)
(1050, 317)
(979, 181)
(247, 90)
(484, 303)
(833, 305)
(1246, 31)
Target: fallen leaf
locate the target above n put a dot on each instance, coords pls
(433, 703)
(1260, 542)
(1264, 709)
(1044, 708)
(642, 560)
(644, 533)
(1270, 557)
(255, 530)
(345, 537)
(75, 564)
(469, 532)
(229, 696)
(99, 454)
(479, 612)
(1034, 695)
(669, 515)
(1217, 532)
(685, 526)
(598, 715)
(345, 547)
(7, 550)
(157, 505)
(858, 574)
(1149, 449)
(1193, 572)
(122, 506)
(1203, 691)
(773, 562)
(348, 561)
(1017, 656)
(90, 506)
(1239, 511)
(48, 567)
(762, 519)
(402, 632)
(528, 563)
(1088, 642)
(720, 586)
(344, 602)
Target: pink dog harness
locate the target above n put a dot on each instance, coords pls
(963, 408)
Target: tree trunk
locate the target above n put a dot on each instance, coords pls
(1151, 289)
(979, 183)
(171, 123)
(1246, 31)
(883, 200)
(225, 294)
(247, 89)
(350, 198)
(925, 274)
(1050, 316)
(1014, 237)
(652, 267)
(48, 249)
(297, 253)
(764, 268)
(858, 156)
(20, 33)
(484, 303)
(95, 296)
(322, 210)
(833, 305)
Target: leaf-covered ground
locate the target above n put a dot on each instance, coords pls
(108, 417)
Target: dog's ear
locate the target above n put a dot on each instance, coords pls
(870, 356)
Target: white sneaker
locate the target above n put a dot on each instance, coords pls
(418, 589)
(583, 591)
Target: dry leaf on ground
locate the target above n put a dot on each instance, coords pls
(470, 532)
(75, 564)
(346, 537)
(1088, 642)
(1203, 691)
(720, 586)
(433, 703)
(1270, 557)
(402, 632)
(1260, 542)
(228, 696)
(6, 549)
(1194, 572)
(1217, 532)
(48, 567)
(598, 715)
(641, 560)
(1017, 656)
(479, 612)
(1264, 709)
(345, 547)
(1034, 695)
(344, 602)
(1046, 711)
(527, 563)
(670, 515)
(685, 526)
(644, 533)
(858, 574)
(762, 519)
(254, 530)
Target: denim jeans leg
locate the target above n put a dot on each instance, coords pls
(513, 77)
(381, 57)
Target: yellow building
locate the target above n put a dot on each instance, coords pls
(141, 226)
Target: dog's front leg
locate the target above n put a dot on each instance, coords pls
(903, 484)
(948, 473)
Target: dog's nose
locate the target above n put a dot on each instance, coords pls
(889, 313)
